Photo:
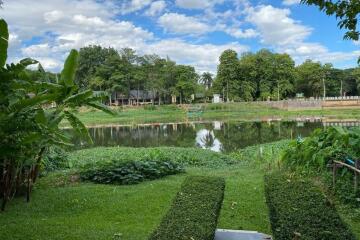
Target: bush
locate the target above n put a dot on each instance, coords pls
(323, 146)
(185, 156)
(131, 172)
(194, 211)
(55, 158)
(262, 153)
(299, 210)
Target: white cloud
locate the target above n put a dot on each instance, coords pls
(156, 8)
(290, 2)
(134, 5)
(276, 27)
(53, 16)
(239, 33)
(36, 50)
(182, 24)
(203, 56)
(197, 4)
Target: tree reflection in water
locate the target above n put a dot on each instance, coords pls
(217, 136)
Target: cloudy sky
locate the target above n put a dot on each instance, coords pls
(191, 32)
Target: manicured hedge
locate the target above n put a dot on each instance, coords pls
(194, 211)
(130, 172)
(299, 210)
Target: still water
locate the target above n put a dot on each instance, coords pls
(216, 136)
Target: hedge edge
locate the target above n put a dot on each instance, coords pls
(194, 212)
(299, 210)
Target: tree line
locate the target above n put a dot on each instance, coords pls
(263, 75)
(266, 75)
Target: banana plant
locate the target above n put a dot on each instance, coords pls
(30, 114)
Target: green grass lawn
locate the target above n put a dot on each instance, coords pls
(91, 211)
(229, 112)
(63, 208)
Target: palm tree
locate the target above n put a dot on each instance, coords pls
(207, 79)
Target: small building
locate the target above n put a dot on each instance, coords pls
(217, 98)
(134, 97)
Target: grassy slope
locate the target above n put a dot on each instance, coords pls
(90, 211)
(232, 111)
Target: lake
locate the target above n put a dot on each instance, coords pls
(217, 136)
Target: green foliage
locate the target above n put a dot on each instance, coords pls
(323, 146)
(194, 211)
(194, 157)
(345, 11)
(68, 73)
(268, 153)
(31, 110)
(131, 172)
(150, 107)
(299, 210)
(4, 38)
(55, 158)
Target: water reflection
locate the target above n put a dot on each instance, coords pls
(217, 136)
(206, 139)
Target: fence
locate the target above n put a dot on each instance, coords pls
(316, 103)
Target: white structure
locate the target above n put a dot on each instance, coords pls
(217, 98)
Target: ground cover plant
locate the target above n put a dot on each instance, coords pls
(299, 210)
(268, 153)
(194, 157)
(130, 172)
(194, 211)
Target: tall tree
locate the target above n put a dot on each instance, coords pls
(90, 58)
(186, 80)
(227, 74)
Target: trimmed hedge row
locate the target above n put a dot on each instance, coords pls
(194, 211)
(130, 172)
(299, 210)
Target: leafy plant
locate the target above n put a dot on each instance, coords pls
(131, 172)
(193, 157)
(323, 146)
(30, 113)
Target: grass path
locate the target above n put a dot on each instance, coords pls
(90, 211)
(226, 112)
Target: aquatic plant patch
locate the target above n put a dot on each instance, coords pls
(132, 172)
(194, 211)
(194, 157)
(299, 210)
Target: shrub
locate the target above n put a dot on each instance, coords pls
(262, 153)
(131, 172)
(185, 156)
(194, 211)
(55, 158)
(299, 210)
(323, 146)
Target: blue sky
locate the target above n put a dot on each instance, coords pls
(193, 32)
